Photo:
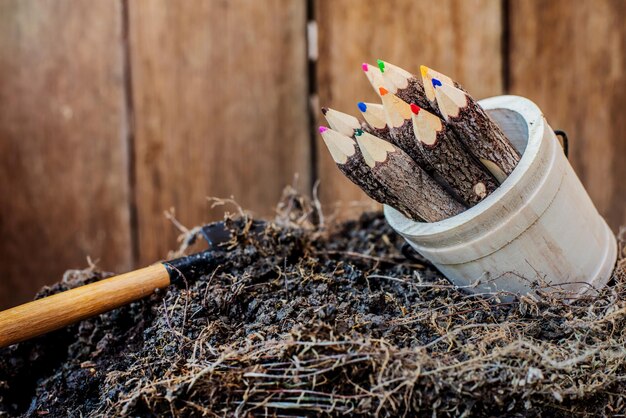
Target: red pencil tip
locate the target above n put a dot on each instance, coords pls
(364, 66)
(415, 108)
(382, 91)
(323, 129)
(324, 110)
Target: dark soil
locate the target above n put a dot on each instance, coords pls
(303, 321)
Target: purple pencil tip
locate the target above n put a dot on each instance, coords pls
(323, 129)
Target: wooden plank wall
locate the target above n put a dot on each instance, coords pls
(453, 39)
(63, 161)
(220, 104)
(572, 62)
(212, 102)
(112, 112)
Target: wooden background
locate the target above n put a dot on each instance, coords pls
(113, 111)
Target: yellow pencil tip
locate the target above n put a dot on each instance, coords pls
(424, 70)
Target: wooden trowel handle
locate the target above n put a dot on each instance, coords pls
(48, 314)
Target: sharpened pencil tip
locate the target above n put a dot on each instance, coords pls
(322, 129)
(362, 106)
(436, 82)
(383, 91)
(358, 132)
(415, 108)
(424, 70)
(381, 65)
(365, 66)
(324, 110)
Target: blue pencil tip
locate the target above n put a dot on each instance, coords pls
(436, 82)
(362, 106)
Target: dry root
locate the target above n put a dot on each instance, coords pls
(304, 322)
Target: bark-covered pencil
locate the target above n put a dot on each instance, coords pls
(374, 76)
(398, 114)
(341, 122)
(405, 85)
(423, 197)
(450, 160)
(427, 75)
(349, 159)
(481, 136)
(374, 115)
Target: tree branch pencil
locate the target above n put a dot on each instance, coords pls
(480, 135)
(430, 159)
(468, 178)
(349, 159)
(427, 75)
(374, 115)
(398, 114)
(341, 122)
(374, 76)
(405, 85)
(423, 197)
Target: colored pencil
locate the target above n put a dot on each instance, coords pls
(405, 85)
(423, 197)
(349, 159)
(450, 160)
(427, 75)
(480, 135)
(341, 122)
(398, 114)
(374, 76)
(374, 115)
(430, 159)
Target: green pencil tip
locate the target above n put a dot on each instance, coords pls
(381, 65)
(358, 132)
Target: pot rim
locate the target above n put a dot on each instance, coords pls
(535, 124)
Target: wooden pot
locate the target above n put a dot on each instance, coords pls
(539, 229)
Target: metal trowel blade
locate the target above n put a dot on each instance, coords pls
(218, 233)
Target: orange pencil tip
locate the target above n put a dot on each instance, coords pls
(382, 91)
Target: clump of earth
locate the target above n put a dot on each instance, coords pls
(333, 319)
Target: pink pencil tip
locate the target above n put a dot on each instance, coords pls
(323, 129)
(364, 66)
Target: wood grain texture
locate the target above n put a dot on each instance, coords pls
(460, 38)
(220, 103)
(57, 311)
(63, 162)
(570, 59)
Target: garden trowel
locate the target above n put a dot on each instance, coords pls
(53, 312)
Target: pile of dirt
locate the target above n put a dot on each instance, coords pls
(307, 320)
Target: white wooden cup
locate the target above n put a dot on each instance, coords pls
(539, 229)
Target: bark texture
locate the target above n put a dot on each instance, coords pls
(359, 173)
(423, 197)
(467, 177)
(414, 93)
(404, 138)
(382, 133)
(483, 138)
